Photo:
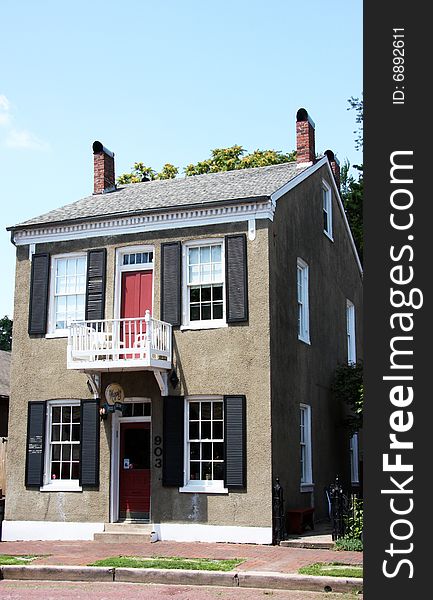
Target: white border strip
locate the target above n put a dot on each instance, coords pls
(178, 532)
(13, 531)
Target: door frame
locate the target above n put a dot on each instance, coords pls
(116, 421)
(120, 269)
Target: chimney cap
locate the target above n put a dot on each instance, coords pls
(98, 148)
(331, 157)
(302, 115)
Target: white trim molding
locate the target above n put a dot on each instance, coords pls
(13, 531)
(186, 532)
(174, 219)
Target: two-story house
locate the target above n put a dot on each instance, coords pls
(174, 347)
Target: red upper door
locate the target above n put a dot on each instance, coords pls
(136, 299)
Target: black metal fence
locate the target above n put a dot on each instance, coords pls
(345, 511)
(278, 525)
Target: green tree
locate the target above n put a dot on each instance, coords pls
(221, 159)
(5, 333)
(348, 388)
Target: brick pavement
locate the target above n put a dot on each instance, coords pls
(258, 558)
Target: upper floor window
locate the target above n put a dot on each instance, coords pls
(350, 324)
(305, 445)
(327, 209)
(67, 291)
(204, 304)
(302, 297)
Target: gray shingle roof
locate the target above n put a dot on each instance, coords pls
(136, 198)
(5, 367)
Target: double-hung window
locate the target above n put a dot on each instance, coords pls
(204, 304)
(302, 297)
(354, 459)
(204, 420)
(305, 448)
(350, 325)
(327, 209)
(67, 292)
(62, 454)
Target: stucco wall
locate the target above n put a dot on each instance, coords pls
(302, 373)
(231, 360)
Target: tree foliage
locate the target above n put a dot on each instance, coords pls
(348, 388)
(5, 333)
(221, 159)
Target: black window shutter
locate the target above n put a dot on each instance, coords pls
(171, 282)
(173, 441)
(95, 284)
(235, 442)
(89, 446)
(39, 294)
(236, 278)
(36, 418)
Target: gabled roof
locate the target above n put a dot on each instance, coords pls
(136, 198)
(5, 367)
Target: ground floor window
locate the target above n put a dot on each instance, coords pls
(305, 446)
(62, 447)
(204, 451)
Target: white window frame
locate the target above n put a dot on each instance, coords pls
(206, 324)
(307, 484)
(354, 459)
(304, 329)
(199, 486)
(121, 268)
(58, 485)
(52, 331)
(327, 208)
(350, 330)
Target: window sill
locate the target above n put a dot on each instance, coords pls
(307, 487)
(61, 487)
(63, 333)
(203, 488)
(328, 235)
(305, 340)
(204, 325)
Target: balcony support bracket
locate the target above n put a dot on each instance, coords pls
(94, 384)
(162, 380)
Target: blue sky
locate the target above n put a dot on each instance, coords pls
(162, 82)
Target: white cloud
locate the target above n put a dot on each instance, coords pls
(5, 117)
(24, 140)
(20, 139)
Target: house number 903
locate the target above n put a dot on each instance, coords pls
(157, 451)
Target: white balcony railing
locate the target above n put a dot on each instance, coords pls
(119, 344)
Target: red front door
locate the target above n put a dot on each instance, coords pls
(134, 477)
(136, 299)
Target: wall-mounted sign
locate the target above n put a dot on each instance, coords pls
(114, 393)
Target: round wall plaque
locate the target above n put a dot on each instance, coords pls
(114, 393)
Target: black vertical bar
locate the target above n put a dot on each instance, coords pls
(397, 130)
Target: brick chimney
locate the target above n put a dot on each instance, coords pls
(305, 138)
(103, 165)
(335, 166)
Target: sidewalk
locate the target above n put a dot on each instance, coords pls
(275, 559)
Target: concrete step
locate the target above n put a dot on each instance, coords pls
(124, 532)
(128, 527)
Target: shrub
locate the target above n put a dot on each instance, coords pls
(351, 544)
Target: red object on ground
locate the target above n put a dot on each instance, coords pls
(298, 518)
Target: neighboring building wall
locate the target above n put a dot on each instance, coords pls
(230, 360)
(302, 373)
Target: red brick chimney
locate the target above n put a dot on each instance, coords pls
(103, 165)
(335, 166)
(305, 138)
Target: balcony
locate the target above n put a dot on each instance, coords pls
(120, 345)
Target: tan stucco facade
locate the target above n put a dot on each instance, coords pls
(228, 360)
